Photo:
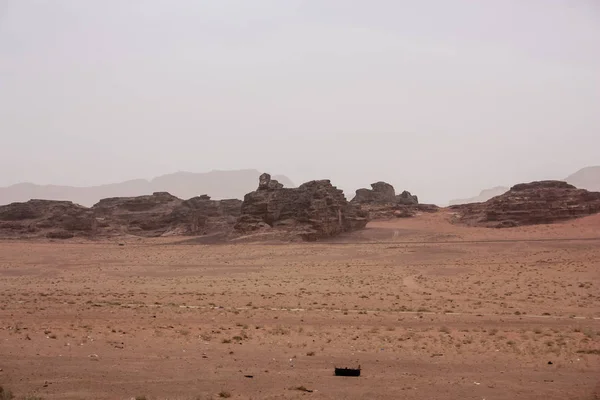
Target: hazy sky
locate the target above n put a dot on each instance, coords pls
(439, 97)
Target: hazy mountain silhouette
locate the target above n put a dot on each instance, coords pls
(485, 195)
(217, 184)
(586, 178)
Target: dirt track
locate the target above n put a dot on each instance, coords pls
(428, 309)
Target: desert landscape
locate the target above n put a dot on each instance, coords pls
(233, 199)
(429, 302)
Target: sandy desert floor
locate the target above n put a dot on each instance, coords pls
(428, 309)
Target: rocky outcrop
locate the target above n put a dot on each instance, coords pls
(55, 219)
(315, 210)
(380, 193)
(381, 202)
(151, 215)
(532, 203)
(159, 214)
(407, 199)
(210, 216)
(162, 214)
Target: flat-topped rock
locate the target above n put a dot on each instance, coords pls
(532, 203)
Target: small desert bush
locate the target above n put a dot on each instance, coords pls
(280, 330)
(588, 332)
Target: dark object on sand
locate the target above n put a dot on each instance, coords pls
(347, 371)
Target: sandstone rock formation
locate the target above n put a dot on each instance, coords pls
(407, 199)
(587, 178)
(381, 193)
(158, 214)
(315, 210)
(381, 202)
(531, 203)
(162, 214)
(54, 219)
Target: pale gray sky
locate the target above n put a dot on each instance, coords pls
(439, 97)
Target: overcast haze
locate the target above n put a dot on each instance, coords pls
(442, 98)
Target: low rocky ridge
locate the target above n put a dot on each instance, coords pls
(159, 214)
(314, 210)
(162, 214)
(381, 202)
(54, 219)
(530, 203)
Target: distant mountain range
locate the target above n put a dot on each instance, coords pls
(485, 195)
(217, 184)
(586, 178)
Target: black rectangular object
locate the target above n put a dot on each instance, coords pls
(347, 371)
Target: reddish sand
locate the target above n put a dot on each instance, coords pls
(429, 310)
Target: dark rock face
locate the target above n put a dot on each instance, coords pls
(154, 215)
(541, 185)
(209, 216)
(151, 215)
(315, 210)
(266, 183)
(381, 202)
(19, 211)
(381, 192)
(46, 217)
(531, 203)
(407, 199)
(163, 214)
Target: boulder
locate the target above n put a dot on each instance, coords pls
(407, 199)
(380, 192)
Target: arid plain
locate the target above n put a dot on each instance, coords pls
(428, 309)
